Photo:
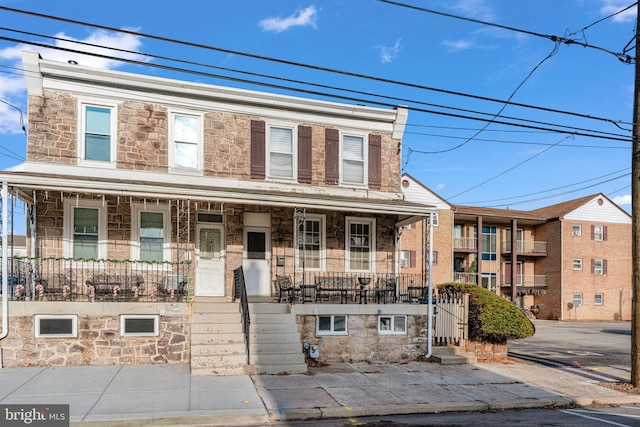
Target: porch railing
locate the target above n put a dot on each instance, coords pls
(471, 278)
(240, 292)
(63, 279)
(465, 243)
(527, 280)
(526, 247)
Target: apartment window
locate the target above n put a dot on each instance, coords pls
(435, 219)
(360, 244)
(97, 133)
(598, 299)
(139, 325)
(186, 139)
(405, 258)
(281, 152)
(331, 325)
(392, 325)
(151, 233)
(576, 230)
(489, 281)
(598, 266)
(85, 225)
(577, 264)
(489, 239)
(598, 232)
(311, 243)
(353, 159)
(577, 299)
(56, 326)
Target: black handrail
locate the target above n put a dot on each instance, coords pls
(240, 291)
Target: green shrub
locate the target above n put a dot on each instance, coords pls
(492, 319)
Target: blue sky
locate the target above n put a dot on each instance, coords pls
(465, 161)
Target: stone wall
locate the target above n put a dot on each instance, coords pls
(486, 352)
(99, 341)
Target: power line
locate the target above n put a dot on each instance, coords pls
(556, 39)
(309, 66)
(574, 131)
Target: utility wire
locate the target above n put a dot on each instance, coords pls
(493, 115)
(511, 168)
(578, 132)
(22, 126)
(544, 191)
(556, 39)
(303, 65)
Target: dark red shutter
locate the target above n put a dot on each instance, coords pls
(593, 232)
(375, 161)
(604, 232)
(412, 259)
(604, 266)
(593, 266)
(332, 156)
(257, 149)
(304, 154)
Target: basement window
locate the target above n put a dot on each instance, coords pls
(392, 325)
(139, 325)
(331, 325)
(56, 326)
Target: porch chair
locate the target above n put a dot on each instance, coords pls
(55, 286)
(284, 286)
(385, 289)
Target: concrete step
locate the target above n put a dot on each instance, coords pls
(447, 350)
(454, 359)
(221, 370)
(271, 338)
(299, 368)
(216, 307)
(221, 338)
(275, 348)
(218, 349)
(212, 328)
(263, 359)
(213, 361)
(255, 308)
(216, 317)
(273, 328)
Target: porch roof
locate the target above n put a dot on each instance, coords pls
(29, 177)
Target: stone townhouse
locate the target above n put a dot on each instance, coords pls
(573, 259)
(154, 206)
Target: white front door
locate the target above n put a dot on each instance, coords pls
(210, 260)
(257, 260)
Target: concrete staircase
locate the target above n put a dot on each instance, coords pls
(274, 342)
(217, 340)
(451, 355)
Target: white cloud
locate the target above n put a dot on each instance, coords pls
(458, 44)
(301, 18)
(12, 87)
(610, 7)
(622, 200)
(388, 53)
(440, 186)
(478, 9)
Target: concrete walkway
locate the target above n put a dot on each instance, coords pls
(167, 395)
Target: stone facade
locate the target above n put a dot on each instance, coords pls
(99, 341)
(486, 352)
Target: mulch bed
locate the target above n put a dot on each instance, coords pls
(622, 386)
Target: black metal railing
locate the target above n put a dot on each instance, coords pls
(240, 291)
(360, 288)
(64, 279)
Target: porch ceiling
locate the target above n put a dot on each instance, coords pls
(207, 189)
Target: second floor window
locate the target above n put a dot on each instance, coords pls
(489, 242)
(576, 230)
(598, 232)
(281, 152)
(599, 266)
(98, 133)
(185, 138)
(353, 163)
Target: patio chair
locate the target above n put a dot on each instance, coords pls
(385, 290)
(284, 286)
(55, 286)
(172, 286)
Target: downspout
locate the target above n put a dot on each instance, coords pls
(429, 294)
(5, 254)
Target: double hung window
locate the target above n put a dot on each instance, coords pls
(97, 133)
(151, 233)
(186, 139)
(311, 243)
(84, 229)
(281, 153)
(353, 159)
(360, 244)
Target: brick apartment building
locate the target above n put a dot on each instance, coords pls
(573, 259)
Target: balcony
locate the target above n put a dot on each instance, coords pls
(471, 278)
(534, 284)
(465, 244)
(526, 247)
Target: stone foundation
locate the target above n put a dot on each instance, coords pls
(486, 352)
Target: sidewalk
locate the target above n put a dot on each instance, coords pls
(167, 395)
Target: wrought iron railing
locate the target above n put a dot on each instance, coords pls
(240, 292)
(64, 279)
(527, 280)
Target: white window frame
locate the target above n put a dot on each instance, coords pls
(136, 209)
(323, 242)
(436, 219)
(598, 233)
(156, 325)
(200, 143)
(576, 230)
(595, 299)
(598, 270)
(68, 226)
(577, 264)
(392, 324)
(405, 258)
(435, 257)
(72, 317)
(577, 296)
(113, 142)
(372, 243)
(365, 158)
(294, 152)
(332, 331)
